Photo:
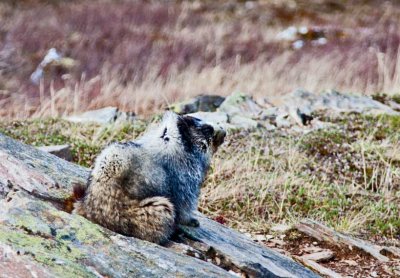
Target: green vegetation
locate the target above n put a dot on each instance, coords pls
(57, 255)
(346, 176)
(85, 140)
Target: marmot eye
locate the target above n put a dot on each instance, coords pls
(164, 135)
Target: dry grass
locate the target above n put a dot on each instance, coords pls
(347, 177)
(143, 55)
(155, 93)
(140, 56)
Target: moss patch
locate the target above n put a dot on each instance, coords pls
(62, 259)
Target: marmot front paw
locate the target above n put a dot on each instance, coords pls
(193, 222)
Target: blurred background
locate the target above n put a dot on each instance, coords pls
(59, 57)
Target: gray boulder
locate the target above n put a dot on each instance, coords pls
(42, 239)
(221, 120)
(242, 122)
(211, 117)
(294, 111)
(242, 105)
(216, 119)
(62, 151)
(238, 111)
(334, 103)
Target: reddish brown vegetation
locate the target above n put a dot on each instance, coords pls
(128, 43)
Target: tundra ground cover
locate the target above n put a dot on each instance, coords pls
(346, 176)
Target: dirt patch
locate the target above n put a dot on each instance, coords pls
(346, 261)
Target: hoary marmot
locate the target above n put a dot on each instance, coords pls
(145, 187)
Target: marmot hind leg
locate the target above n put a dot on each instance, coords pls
(152, 220)
(187, 219)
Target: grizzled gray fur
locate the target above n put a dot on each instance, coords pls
(144, 188)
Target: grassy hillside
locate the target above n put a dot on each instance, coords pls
(347, 176)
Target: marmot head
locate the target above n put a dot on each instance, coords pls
(178, 133)
(198, 134)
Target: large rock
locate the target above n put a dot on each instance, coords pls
(333, 102)
(221, 120)
(211, 117)
(53, 61)
(37, 232)
(242, 105)
(242, 122)
(243, 112)
(107, 115)
(62, 151)
(294, 111)
(216, 119)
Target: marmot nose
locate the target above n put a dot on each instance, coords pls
(219, 136)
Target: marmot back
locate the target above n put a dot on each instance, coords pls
(144, 188)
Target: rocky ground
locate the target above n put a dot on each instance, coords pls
(331, 157)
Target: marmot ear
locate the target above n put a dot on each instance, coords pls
(169, 125)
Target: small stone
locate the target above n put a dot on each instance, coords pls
(62, 151)
(312, 249)
(282, 121)
(280, 228)
(243, 122)
(218, 118)
(322, 256)
(242, 105)
(269, 237)
(394, 105)
(269, 127)
(278, 241)
(234, 273)
(350, 262)
(105, 115)
(248, 235)
(52, 62)
(259, 238)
